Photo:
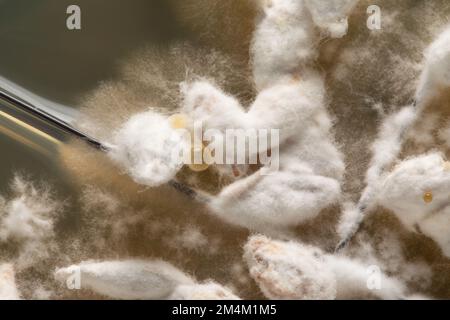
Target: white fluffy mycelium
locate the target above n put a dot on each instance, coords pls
(287, 37)
(436, 75)
(308, 178)
(284, 40)
(389, 144)
(29, 215)
(331, 15)
(129, 279)
(417, 191)
(144, 147)
(284, 44)
(290, 270)
(140, 279)
(291, 94)
(385, 149)
(27, 220)
(8, 287)
(291, 99)
(206, 291)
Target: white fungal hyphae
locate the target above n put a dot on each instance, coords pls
(27, 220)
(190, 238)
(291, 99)
(284, 40)
(417, 192)
(29, 214)
(389, 143)
(346, 225)
(385, 150)
(285, 270)
(436, 74)
(142, 280)
(289, 270)
(210, 106)
(404, 189)
(310, 165)
(286, 106)
(129, 279)
(358, 280)
(145, 147)
(436, 227)
(331, 15)
(8, 287)
(206, 291)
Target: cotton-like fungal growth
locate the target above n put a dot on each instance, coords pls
(291, 106)
(290, 270)
(417, 192)
(288, 46)
(331, 16)
(436, 227)
(190, 238)
(388, 144)
(346, 225)
(436, 74)
(129, 279)
(206, 291)
(283, 41)
(406, 188)
(286, 39)
(150, 78)
(308, 178)
(292, 102)
(145, 147)
(300, 195)
(355, 279)
(8, 287)
(390, 141)
(210, 106)
(385, 150)
(291, 99)
(29, 215)
(141, 280)
(27, 220)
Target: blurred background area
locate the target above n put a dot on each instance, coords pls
(26, 150)
(39, 53)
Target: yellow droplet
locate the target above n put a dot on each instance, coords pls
(446, 166)
(427, 197)
(178, 121)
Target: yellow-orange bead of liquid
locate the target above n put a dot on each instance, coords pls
(427, 197)
(179, 121)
